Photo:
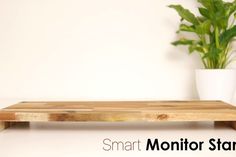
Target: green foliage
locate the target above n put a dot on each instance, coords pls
(215, 30)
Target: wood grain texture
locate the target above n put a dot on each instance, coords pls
(112, 111)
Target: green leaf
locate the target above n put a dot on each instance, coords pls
(201, 18)
(217, 11)
(213, 28)
(204, 12)
(186, 28)
(195, 47)
(219, 5)
(213, 53)
(209, 4)
(221, 16)
(213, 57)
(230, 7)
(227, 36)
(183, 42)
(204, 28)
(185, 14)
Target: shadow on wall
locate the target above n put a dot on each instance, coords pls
(180, 55)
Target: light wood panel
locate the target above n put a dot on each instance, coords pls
(150, 111)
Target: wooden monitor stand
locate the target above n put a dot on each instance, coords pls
(116, 111)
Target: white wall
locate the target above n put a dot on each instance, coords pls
(93, 49)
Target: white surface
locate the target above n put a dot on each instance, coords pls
(85, 139)
(93, 49)
(216, 84)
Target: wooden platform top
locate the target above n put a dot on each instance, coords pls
(120, 111)
(120, 106)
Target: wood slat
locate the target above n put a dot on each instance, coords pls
(120, 111)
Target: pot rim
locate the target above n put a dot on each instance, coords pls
(228, 69)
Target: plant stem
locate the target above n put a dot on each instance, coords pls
(217, 37)
(204, 62)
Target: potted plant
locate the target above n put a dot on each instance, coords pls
(214, 31)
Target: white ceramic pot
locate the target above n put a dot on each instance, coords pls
(216, 84)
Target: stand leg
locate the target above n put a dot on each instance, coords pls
(4, 125)
(231, 124)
